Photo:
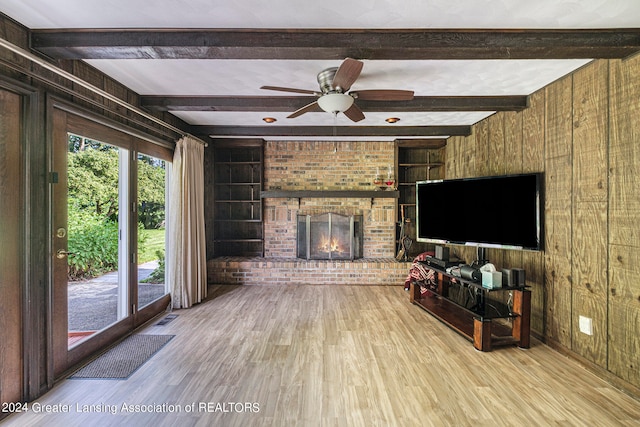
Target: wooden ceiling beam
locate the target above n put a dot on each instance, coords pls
(330, 131)
(292, 103)
(335, 44)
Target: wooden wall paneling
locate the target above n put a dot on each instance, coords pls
(623, 351)
(557, 301)
(448, 164)
(559, 118)
(513, 142)
(590, 169)
(469, 157)
(482, 154)
(497, 160)
(36, 298)
(118, 90)
(452, 161)
(624, 313)
(466, 156)
(624, 105)
(558, 202)
(533, 144)
(624, 203)
(624, 219)
(589, 290)
(624, 153)
(588, 244)
(50, 76)
(533, 133)
(558, 207)
(590, 132)
(90, 75)
(589, 231)
(11, 226)
(14, 33)
(533, 265)
(590, 347)
(468, 144)
(558, 273)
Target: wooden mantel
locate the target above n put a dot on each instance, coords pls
(353, 194)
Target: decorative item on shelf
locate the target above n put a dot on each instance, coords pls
(390, 181)
(377, 181)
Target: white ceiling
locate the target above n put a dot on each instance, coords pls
(244, 77)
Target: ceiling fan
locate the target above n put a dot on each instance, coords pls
(334, 96)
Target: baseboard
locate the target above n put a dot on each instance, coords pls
(597, 370)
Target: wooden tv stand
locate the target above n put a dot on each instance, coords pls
(481, 323)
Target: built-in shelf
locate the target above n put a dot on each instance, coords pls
(416, 161)
(352, 194)
(237, 216)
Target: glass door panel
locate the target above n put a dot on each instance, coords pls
(97, 228)
(151, 206)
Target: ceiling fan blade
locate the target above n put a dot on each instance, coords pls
(289, 89)
(354, 113)
(383, 95)
(347, 74)
(309, 108)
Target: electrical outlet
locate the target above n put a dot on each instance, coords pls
(586, 325)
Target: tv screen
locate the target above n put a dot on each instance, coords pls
(496, 211)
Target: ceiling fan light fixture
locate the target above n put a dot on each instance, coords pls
(270, 119)
(392, 120)
(335, 102)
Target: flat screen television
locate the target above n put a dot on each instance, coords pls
(493, 212)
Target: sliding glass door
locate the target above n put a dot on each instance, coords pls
(108, 235)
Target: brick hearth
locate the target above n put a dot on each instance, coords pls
(278, 271)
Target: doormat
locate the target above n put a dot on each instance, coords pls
(124, 359)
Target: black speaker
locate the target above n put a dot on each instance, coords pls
(513, 277)
(442, 253)
(470, 273)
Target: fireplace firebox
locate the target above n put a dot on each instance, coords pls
(329, 236)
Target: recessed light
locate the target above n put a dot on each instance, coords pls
(392, 120)
(270, 119)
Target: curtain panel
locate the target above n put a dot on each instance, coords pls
(186, 249)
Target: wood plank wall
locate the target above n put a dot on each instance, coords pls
(11, 214)
(624, 220)
(583, 132)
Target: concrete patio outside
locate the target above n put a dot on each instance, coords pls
(92, 303)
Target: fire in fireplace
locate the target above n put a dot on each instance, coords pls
(329, 236)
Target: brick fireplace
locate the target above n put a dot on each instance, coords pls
(318, 167)
(329, 236)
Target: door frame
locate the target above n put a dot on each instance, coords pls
(64, 118)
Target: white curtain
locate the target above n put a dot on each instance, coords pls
(186, 257)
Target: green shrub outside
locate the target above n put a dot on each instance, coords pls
(157, 275)
(93, 206)
(92, 243)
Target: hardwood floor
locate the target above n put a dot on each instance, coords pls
(333, 356)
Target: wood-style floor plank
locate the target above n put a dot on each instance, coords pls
(335, 356)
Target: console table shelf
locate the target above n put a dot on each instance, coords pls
(481, 325)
